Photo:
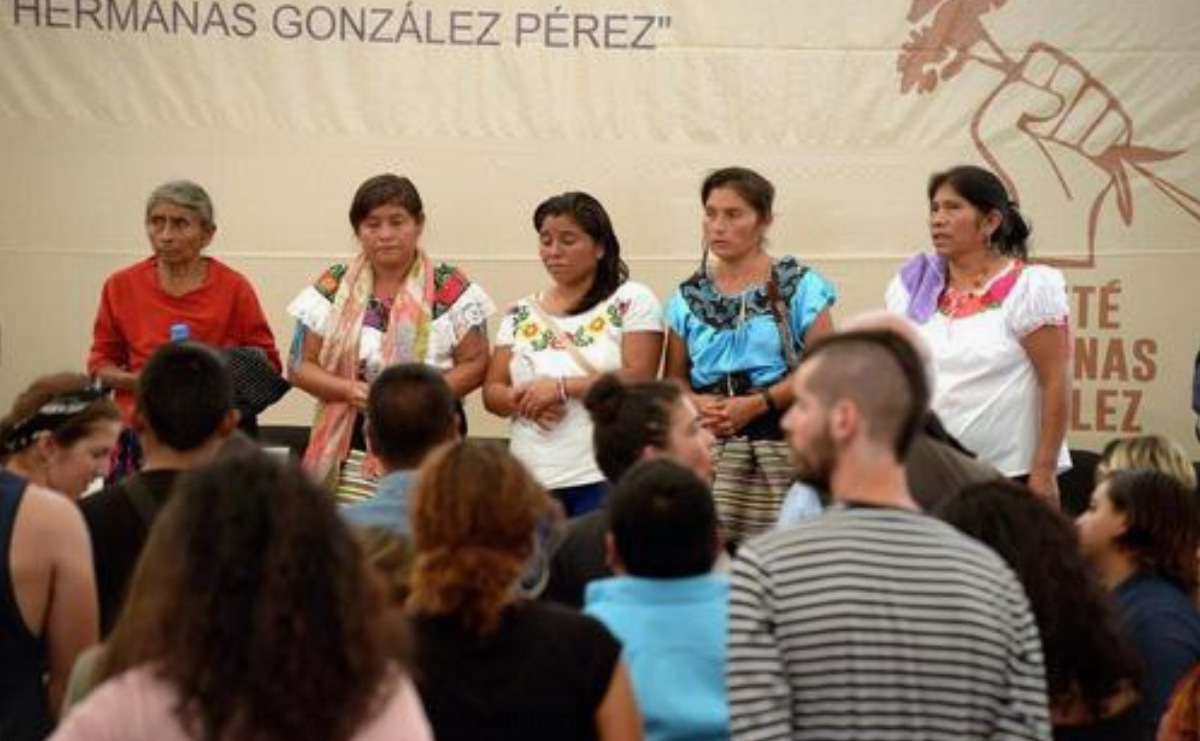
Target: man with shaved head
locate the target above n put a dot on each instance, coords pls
(875, 616)
(937, 465)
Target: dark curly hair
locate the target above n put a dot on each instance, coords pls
(253, 601)
(628, 417)
(475, 509)
(1084, 650)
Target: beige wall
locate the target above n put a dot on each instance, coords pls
(808, 91)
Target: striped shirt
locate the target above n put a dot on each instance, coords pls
(874, 623)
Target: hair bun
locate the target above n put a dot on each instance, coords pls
(603, 400)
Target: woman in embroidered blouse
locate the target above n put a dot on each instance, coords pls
(998, 329)
(725, 341)
(553, 345)
(391, 304)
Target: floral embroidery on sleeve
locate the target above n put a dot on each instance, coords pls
(449, 284)
(327, 284)
(616, 313)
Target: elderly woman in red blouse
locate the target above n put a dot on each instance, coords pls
(178, 290)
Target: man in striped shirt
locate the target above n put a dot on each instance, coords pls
(875, 621)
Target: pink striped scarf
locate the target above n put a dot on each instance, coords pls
(406, 340)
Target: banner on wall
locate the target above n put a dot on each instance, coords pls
(1086, 109)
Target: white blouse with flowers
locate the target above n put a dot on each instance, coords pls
(562, 456)
(986, 389)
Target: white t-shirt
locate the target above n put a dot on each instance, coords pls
(562, 456)
(986, 390)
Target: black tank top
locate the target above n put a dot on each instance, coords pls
(24, 708)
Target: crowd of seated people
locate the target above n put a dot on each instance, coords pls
(403, 580)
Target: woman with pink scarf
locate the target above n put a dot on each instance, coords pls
(391, 304)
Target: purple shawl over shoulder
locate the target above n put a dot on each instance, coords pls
(924, 277)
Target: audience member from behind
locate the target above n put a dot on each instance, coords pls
(630, 422)
(1091, 672)
(1141, 532)
(832, 610)
(252, 615)
(391, 556)
(666, 607)
(491, 665)
(1158, 452)
(410, 411)
(59, 433)
(183, 414)
(937, 466)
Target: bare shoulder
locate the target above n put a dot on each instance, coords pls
(48, 513)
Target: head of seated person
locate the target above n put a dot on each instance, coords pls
(248, 542)
(637, 421)
(390, 556)
(60, 433)
(475, 514)
(664, 523)
(410, 411)
(184, 400)
(1156, 452)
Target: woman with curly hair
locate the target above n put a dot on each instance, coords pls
(252, 615)
(1141, 532)
(491, 665)
(1091, 673)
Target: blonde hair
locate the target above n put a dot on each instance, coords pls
(391, 556)
(1158, 452)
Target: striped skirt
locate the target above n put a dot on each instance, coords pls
(751, 479)
(353, 484)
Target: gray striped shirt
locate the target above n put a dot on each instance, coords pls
(874, 623)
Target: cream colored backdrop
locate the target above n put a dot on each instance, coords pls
(1091, 108)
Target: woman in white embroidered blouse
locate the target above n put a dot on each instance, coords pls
(999, 329)
(552, 345)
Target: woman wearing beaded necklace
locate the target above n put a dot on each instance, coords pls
(997, 326)
(737, 327)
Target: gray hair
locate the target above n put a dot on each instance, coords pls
(185, 194)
